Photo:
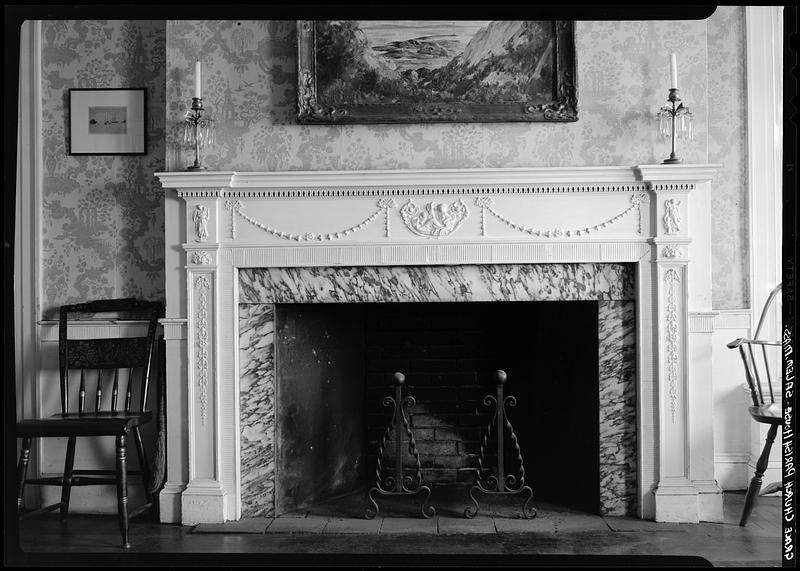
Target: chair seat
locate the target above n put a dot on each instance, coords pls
(87, 424)
(767, 413)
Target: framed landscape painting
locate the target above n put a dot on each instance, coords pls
(411, 71)
(107, 121)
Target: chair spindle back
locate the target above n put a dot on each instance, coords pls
(121, 364)
(756, 357)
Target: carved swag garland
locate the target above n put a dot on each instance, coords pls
(431, 220)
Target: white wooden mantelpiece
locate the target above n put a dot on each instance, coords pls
(654, 216)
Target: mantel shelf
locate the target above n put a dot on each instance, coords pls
(437, 178)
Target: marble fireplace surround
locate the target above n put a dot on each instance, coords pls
(654, 218)
(611, 285)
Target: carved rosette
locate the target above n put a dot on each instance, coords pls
(201, 258)
(672, 278)
(202, 285)
(434, 219)
(673, 251)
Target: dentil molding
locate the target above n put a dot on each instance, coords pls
(437, 182)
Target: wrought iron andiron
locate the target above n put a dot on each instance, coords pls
(502, 483)
(396, 483)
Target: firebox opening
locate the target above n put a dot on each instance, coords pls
(334, 364)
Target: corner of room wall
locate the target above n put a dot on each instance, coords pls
(90, 226)
(27, 221)
(728, 116)
(750, 193)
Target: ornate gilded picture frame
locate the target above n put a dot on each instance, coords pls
(413, 71)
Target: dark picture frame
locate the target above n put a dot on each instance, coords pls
(108, 121)
(347, 76)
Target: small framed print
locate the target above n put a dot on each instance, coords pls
(107, 121)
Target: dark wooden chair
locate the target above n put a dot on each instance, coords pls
(760, 356)
(118, 369)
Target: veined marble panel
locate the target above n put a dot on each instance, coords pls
(617, 418)
(257, 408)
(610, 284)
(494, 282)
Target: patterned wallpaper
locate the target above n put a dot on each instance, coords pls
(249, 84)
(103, 216)
(727, 144)
(103, 220)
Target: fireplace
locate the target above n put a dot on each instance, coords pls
(334, 365)
(251, 248)
(555, 328)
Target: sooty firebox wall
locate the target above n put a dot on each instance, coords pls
(334, 364)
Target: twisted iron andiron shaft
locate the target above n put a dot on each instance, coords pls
(398, 483)
(502, 483)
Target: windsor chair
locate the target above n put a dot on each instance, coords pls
(757, 354)
(119, 370)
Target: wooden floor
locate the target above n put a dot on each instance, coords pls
(555, 537)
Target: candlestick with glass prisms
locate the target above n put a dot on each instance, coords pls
(198, 131)
(674, 121)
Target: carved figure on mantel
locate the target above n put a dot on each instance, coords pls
(200, 217)
(672, 218)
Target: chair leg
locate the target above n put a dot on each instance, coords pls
(122, 490)
(761, 467)
(22, 471)
(143, 466)
(66, 486)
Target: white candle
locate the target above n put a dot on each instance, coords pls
(197, 80)
(673, 71)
